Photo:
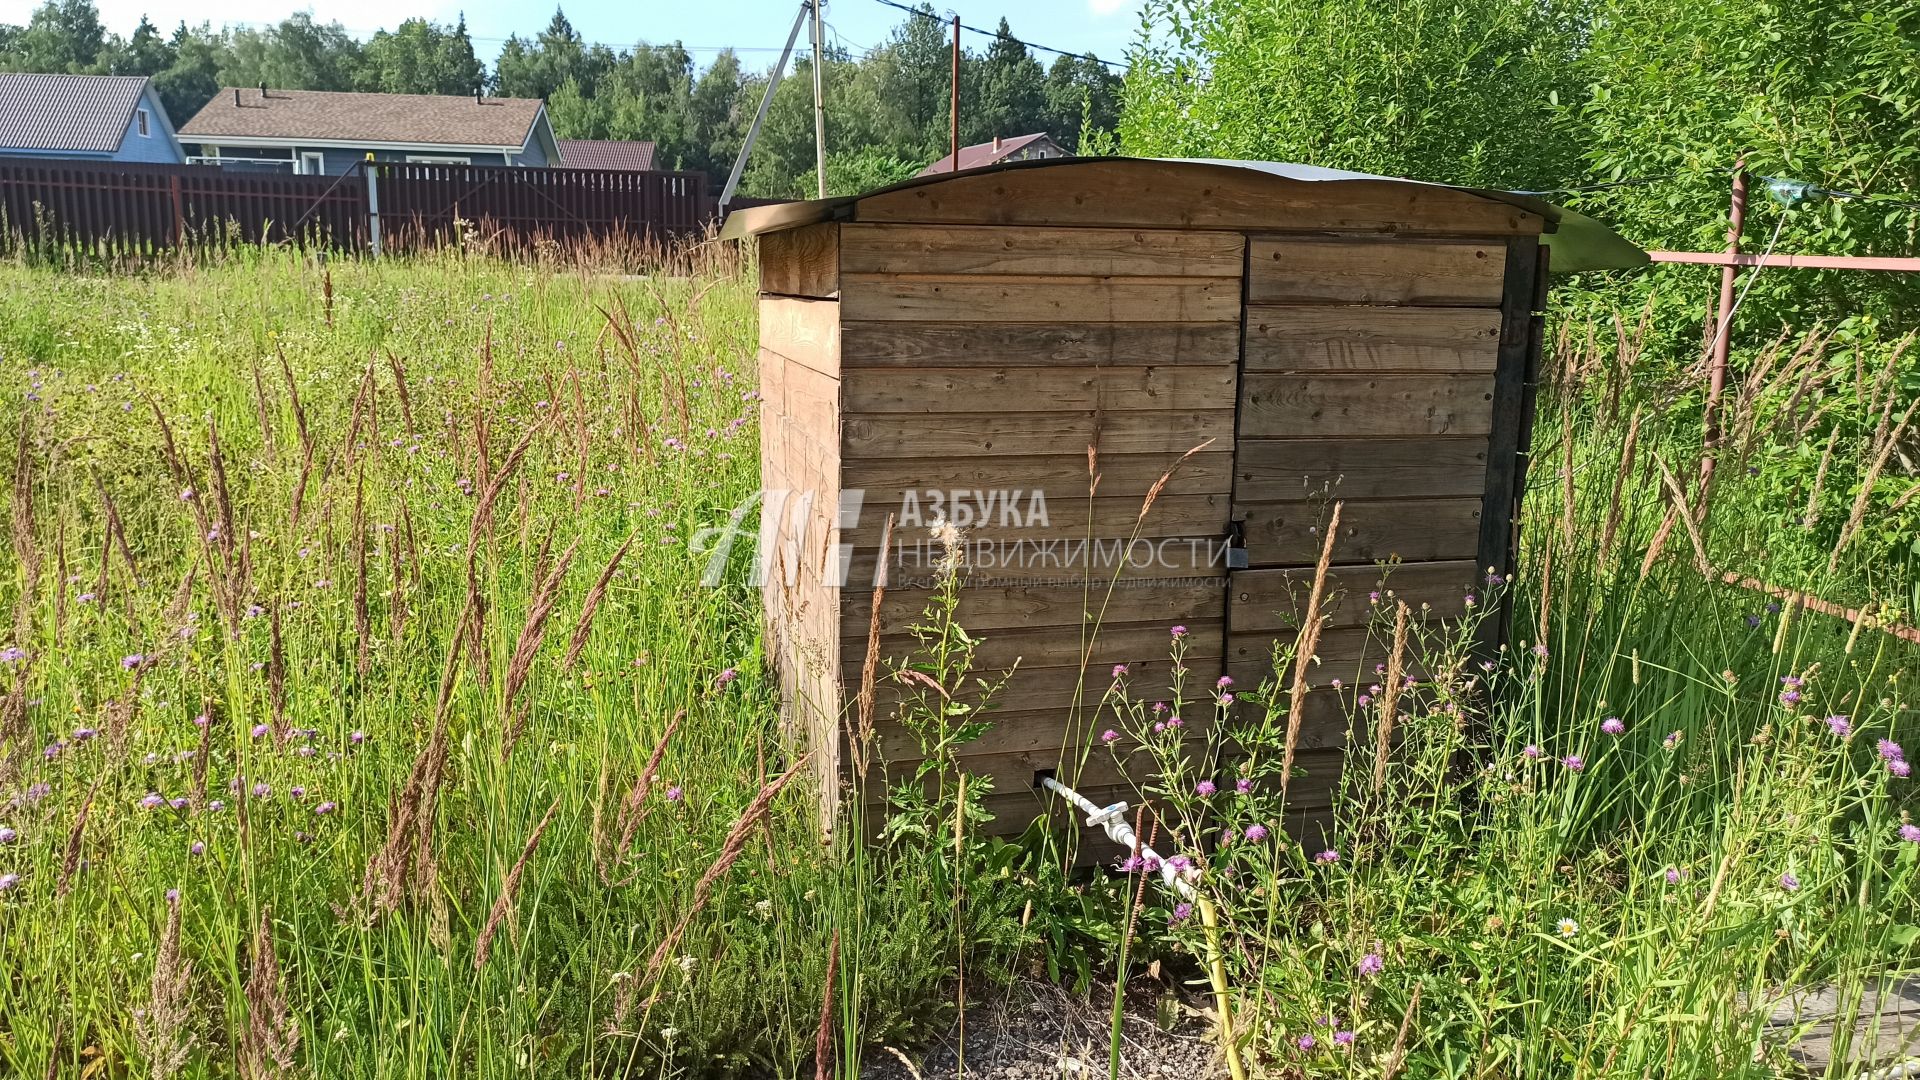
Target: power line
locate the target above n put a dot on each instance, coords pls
(914, 11)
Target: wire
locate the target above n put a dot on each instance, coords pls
(1832, 193)
(995, 33)
(1759, 268)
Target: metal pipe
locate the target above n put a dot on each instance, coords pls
(760, 117)
(1113, 819)
(955, 111)
(1718, 346)
(819, 94)
(1787, 262)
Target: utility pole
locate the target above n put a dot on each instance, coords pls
(956, 94)
(766, 102)
(819, 95)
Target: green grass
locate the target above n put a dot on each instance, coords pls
(633, 398)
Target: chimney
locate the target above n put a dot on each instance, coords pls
(236, 97)
(996, 144)
(477, 95)
(263, 91)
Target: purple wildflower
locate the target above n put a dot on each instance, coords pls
(1179, 631)
(1204, 788)
(1910, 833)
(1675, 875)
(1306, 1042)
(1613, 725)
(11, 654)
(196, 848)
(261, 790)
(326, 808)
(1890, 750)
(726, 677)
(1109, 736)
(82, 734)
(674, 794)
(1532, 752)
(1327, 856)
(357, 738)
(1343, 1038)
(1243, 786)
(153, 801)
(1899, 768)
(1790, 697)
(1839, 725)
(7, 835)
(1223, 682)
(1574, 762)
(178, 802)
(1255, 833)
(8, 881)
(1119, 671)
(1179, 914)
(131, 661)
(260, 730)
(1789, 883)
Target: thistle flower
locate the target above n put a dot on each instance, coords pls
(1343, 1038)
(1243, 786)
(131, 661)
(8, 881)
(12, 654)
(1109, 736)
(1574, 762)
(326, 808)
(674, 794)
(1789, 883)
(1790, 697)
(1890, 750)
(7, 835)
(1839, 725)
(725, 678)
(1673, 738)
(1306, 1042)
(1204, 788)
(1179, 914)
(1119, 671)
(1613, 725)
(153, 801)
(196, 848)
(1223, 682)
(1910, 833)
(260, 731)
(261, 790)
(1371, 964)
(82, 734)
(1179, 631)
(1327, 857)
(1899, 768)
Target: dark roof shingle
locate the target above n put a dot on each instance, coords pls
(415, 119)
(81, 113)
(606, 154)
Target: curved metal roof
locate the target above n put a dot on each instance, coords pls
(1578, 241)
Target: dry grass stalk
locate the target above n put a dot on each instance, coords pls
(272, 1035)
(25, 547)
(508, 890)
(76, 839)
(579, 438)
(1616, 501)
(1160, 484)
(1883, 447)
(823, 1038)
(1396, 1058)
(1811, 516)
(400, 390)
(113, 538)
(306, 437)
(277, 671)
(1659, 544)
(634, 808)
(263, 413)
(232, 552)
(1309, 642)
(532, 633)
(403, 868)
(1390, 696)
(583, 626)
(362, 619)
(870, 666)
(161, 1030)
(396, 589)
(1680, 508)
(730, 852)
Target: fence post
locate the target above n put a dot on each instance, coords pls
(373, 208)
(1722, 328)
(179, 213)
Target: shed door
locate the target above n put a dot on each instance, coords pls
(1368, 378)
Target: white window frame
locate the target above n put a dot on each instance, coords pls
(438, 159)
(318, 158)
(142, 123)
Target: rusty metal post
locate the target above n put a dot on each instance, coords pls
(1722, 333)
(956, 93)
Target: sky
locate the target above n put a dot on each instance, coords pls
(754, 28)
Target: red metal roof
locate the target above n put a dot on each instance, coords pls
(983, 154)
(606, 154)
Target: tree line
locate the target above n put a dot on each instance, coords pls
(888, 110)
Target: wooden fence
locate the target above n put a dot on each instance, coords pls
(116, 209)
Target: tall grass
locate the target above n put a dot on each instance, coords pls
(350, 603)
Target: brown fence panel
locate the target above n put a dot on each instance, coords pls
(423, 205)
(111, 208)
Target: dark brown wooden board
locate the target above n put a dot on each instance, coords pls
(1314, 271)
(1297, 338)
(1349, 406)
(966, 343)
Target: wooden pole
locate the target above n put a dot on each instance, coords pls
(1719, 343)
(956, 94)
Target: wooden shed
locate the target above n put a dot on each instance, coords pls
(952, 346)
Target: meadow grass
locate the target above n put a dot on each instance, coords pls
(366, 714)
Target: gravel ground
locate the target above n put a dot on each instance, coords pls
(1037, 1031)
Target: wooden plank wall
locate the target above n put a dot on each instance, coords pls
(1369, 379)
(799, 474)
(979, 358)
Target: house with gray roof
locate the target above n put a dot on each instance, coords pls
(89, 117)
(321, 132)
